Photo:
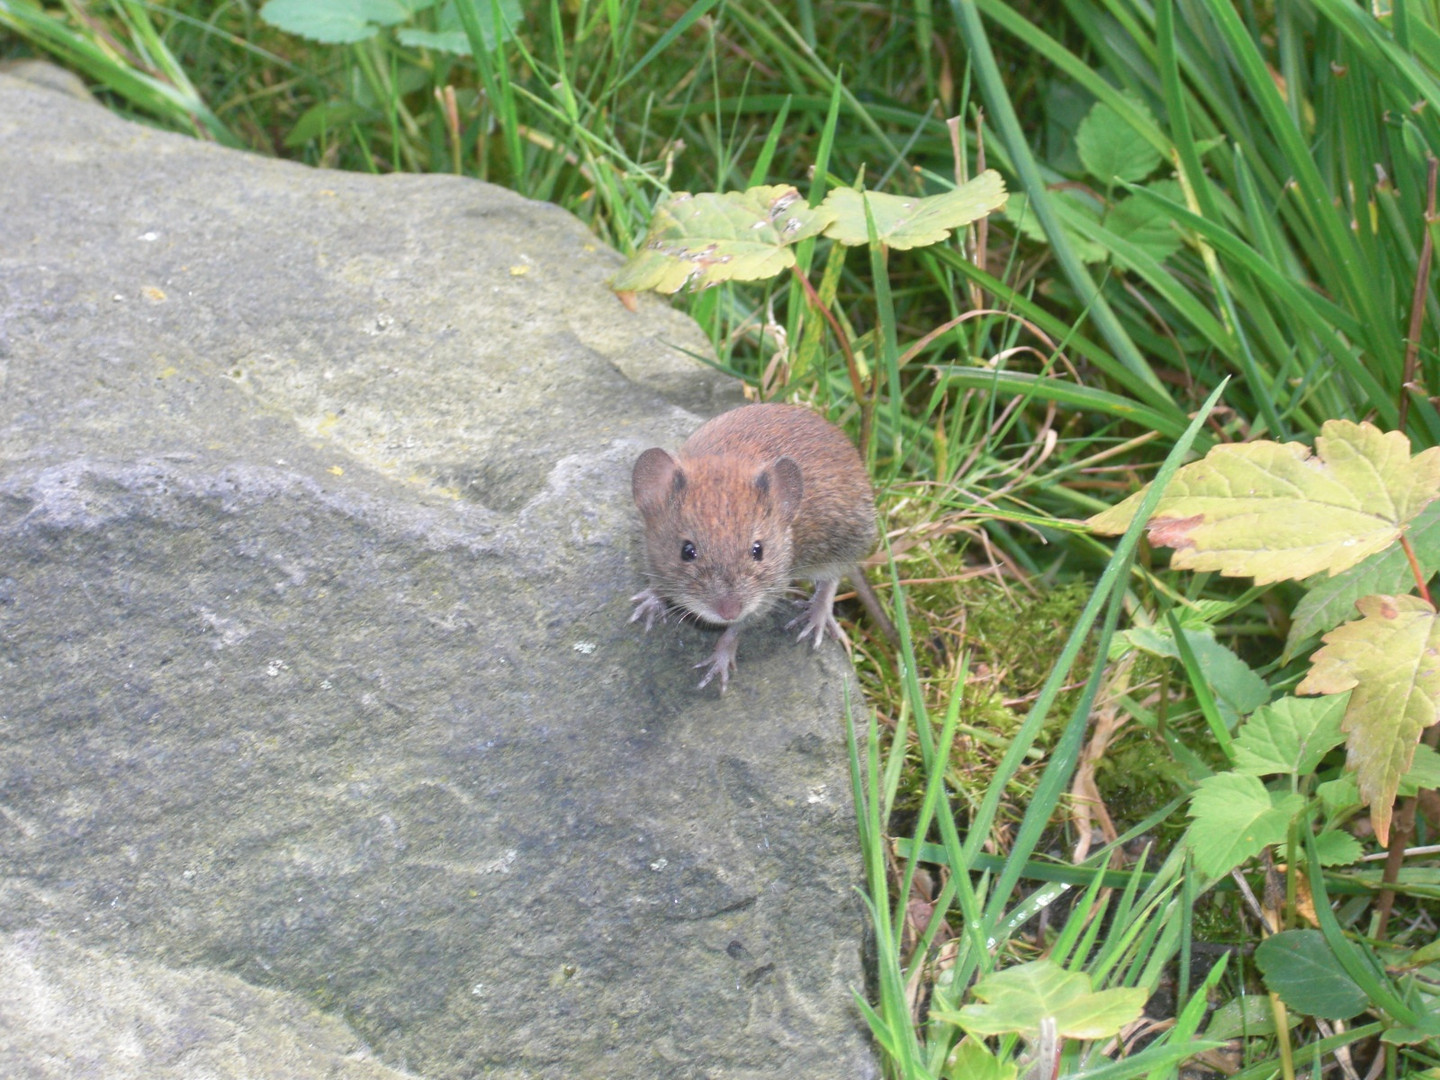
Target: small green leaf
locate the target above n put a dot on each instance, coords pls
(1234, 818)
(1067, 204)
(1110, 149)
(1423, 956)
(1413, 1036)
(1342, 794)
(1338, 796)
(1300, 967)
(1145, 223)
(318, 119)
(972, 1060)
(1289, 736)
(1388, 662)
(702, 240)
(1018, 998)
(1237, 689)
(1244, 1017)
(1423, 774)
(1337, 848)
(337, 22)
(905, 221)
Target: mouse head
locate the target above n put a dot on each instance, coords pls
(717, 530)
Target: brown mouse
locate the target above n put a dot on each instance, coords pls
(759, 496)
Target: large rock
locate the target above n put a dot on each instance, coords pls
(315, 676)
(68, 1013)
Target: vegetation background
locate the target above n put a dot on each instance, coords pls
(1220, 231)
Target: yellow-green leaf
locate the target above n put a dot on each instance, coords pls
(1274, 511)
(905, 221)
(972, 1060)
(1390, 661)
(1018, 998)
(702, 240)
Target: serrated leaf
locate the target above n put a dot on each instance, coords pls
(1067, 204)
(1110, 149)
(1234, 817)
(972, 1060)
(903, 222)
(1299, 966)
(1337, 848)
(1273, 511)
(1146, 224)
(1332, 600)
(1389, 660)
(1018, 998)
(702, 240)
(337, 22)
(1289, 736)
(1424, 772)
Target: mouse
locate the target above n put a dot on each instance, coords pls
(756, 498)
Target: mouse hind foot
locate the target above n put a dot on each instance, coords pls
(818, 619)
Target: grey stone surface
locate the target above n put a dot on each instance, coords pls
(88, 1016)
(315, 676)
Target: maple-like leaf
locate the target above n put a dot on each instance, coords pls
(907, 221)
(702, 240)
(1331, 600)
(1390, 661)
(1275, 511)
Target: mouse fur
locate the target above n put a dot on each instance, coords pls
(758, 497)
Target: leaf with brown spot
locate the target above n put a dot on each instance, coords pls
(1275, 511)
(1390, 661)
(1173, 532)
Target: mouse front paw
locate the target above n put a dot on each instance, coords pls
(651, 606)
(721, 661)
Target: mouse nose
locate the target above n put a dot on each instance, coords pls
(728, 607)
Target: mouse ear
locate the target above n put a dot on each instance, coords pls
(656, 475)
(787, 487)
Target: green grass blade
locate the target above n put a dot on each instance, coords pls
(688, 18)
(1107, 595)
(987, 71)
(177, 107)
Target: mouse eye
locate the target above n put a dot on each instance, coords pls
(757, 551)
(688, 552)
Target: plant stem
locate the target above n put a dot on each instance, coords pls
(1415, 569)
(1417, 299)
